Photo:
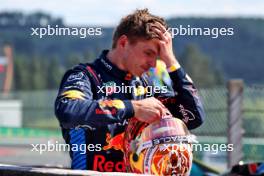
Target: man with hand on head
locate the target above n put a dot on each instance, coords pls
(92, 112)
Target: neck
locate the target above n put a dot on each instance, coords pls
(114, 57)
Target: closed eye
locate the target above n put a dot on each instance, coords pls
(148, 53)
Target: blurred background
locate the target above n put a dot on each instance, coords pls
(31, 69)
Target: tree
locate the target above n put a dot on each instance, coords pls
(198, 66)
(55, 73)
(73, 60)
(38, 72)
(21, 73)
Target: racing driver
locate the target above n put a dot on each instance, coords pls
(96, 100)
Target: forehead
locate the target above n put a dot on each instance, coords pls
(152, 44)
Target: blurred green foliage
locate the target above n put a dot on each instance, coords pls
(209, 61)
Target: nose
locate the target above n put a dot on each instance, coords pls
(152, 62)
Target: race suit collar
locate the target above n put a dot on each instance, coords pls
(108, 66)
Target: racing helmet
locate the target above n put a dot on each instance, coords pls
(160, 148)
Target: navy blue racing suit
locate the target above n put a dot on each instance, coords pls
(93, 110)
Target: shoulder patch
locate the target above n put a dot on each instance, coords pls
(75, 76)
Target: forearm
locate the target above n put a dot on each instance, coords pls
(186, 104)
(92, 112)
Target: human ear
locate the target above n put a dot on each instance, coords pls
(122, 41)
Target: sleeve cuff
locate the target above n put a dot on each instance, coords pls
(177, 75)
(173, 68)
(129, 110)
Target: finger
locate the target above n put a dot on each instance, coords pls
(159, 103)
(160, 34)
(159, 31)
(167, 114)
(152, 117)
(163, 45)
(162, 111)
(168, 34)
(159, 26)
(162, 28)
